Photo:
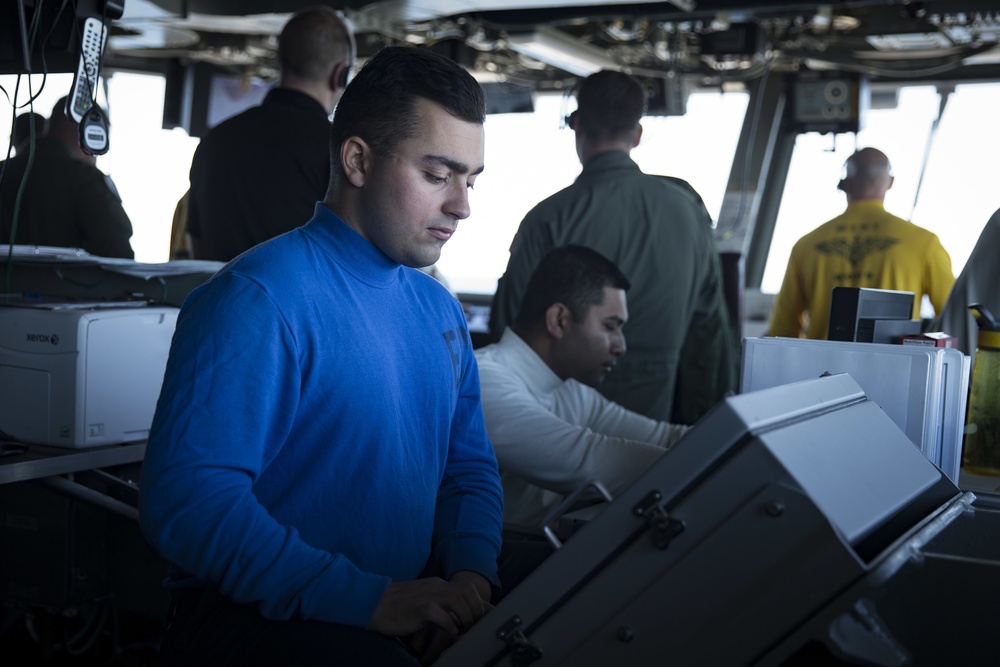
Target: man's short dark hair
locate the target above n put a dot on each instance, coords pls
(379, 104)
(609, 105)
(572, 275)
(312, 42)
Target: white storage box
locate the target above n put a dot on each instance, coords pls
(82, 375)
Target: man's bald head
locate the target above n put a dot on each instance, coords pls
(867, 175)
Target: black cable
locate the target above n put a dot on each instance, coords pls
(20, 190)
(3, 170)
(86, 637)
(23, 27)
(15, 217)
(44, 45)
(13, 117)
(902, 68)
(29, 43)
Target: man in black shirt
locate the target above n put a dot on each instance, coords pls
(54, 195)
(270, 164)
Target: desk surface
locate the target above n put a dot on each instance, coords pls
(42, 461)
(969, 482)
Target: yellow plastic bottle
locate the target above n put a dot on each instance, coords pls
(981, 448)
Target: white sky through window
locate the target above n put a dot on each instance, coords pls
(528, 158)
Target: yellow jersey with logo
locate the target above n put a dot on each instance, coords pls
(866, 246)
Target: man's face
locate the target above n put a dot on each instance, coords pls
(413, 199)
(589, 349)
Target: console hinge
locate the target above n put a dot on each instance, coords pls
(662, 527)
(522, 652)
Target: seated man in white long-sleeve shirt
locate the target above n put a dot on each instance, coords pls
(550, 427)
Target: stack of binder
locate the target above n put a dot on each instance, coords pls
(922, 389)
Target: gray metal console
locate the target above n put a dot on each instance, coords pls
(773, 533)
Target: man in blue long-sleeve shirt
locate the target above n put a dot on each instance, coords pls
(318, 450)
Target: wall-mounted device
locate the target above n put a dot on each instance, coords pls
(81, 103)
(829, 102)
(84, 89)
(665, 95)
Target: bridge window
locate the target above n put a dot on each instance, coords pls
(529, 158)
(957, 193)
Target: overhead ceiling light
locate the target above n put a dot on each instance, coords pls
(558, 49)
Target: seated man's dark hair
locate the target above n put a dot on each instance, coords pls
(378, 105)
(572, 275)
(610, 105)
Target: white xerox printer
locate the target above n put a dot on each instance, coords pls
(82, 375)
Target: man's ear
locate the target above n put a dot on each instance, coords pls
(638, 137)
(355, 160)
(557, 320)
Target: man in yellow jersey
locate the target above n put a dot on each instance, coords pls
(865, 246)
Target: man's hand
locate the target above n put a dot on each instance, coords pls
(431, 641)
(477, 580)
(453, 606)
